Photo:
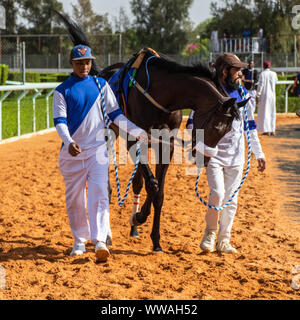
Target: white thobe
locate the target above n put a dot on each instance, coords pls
(224, 173)
(266, 108)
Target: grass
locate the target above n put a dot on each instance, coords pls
(10, 115)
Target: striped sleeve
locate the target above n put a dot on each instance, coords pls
(59, 108)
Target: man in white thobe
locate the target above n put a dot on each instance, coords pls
(225, 170)
(266, 108)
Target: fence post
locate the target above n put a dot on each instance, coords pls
(20, 97)
(33, 107)
(6, 94)
(47, 106)
(286, 97)
(23, 59)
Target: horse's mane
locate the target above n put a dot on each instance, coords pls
(200, 69)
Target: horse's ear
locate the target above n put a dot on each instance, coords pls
(227, 104)
(242, 103)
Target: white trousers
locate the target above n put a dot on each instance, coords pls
(93, 174)
(222, 181)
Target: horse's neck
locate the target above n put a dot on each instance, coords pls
(194, 93)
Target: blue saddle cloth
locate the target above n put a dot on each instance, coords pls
(114, 84)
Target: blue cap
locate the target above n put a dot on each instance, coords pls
(81, 52)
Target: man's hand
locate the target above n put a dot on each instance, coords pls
(74, 149)
(143, 138)
(261, 164)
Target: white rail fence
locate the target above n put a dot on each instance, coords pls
(24, 89)
(39, 87)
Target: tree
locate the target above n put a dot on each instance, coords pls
(97, 27)
(90, 21)
(274, 16)
(234, 16)
(161, 24)
(38, 15)
(11, 12)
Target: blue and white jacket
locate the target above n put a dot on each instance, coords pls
(78, 116)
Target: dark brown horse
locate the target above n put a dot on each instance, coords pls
(175, 87)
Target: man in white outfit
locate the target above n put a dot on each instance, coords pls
(224, 171)
(83, 158)
(266, 108)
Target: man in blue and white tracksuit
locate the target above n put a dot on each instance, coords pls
(83, 158)
(224, 170)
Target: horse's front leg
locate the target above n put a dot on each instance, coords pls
(151, 184)
(138, 218)
(161, 170)
(137, 185)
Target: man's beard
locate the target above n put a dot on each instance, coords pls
(230, 84)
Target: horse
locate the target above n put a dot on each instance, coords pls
(174, 87)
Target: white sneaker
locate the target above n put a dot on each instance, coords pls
(225, 247)
(102, 253)
(78, 249)
(208, 241)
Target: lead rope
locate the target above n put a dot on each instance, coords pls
(106, 121)
(243, 96)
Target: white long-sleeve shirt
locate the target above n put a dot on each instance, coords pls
(231, 148)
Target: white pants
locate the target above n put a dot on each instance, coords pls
(222, 181)
(93, 173)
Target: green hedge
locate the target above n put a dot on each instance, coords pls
(4, 71)
(293, 99)
(38, 77)
(29, 76)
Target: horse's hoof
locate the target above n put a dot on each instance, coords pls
(134, 232)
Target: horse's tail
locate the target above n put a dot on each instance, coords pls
(78, 36)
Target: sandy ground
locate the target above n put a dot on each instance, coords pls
(35, 239)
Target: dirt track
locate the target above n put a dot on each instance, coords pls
(35, 238)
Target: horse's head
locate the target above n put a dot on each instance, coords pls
(216, 121)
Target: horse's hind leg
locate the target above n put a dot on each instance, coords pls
(160, 173)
